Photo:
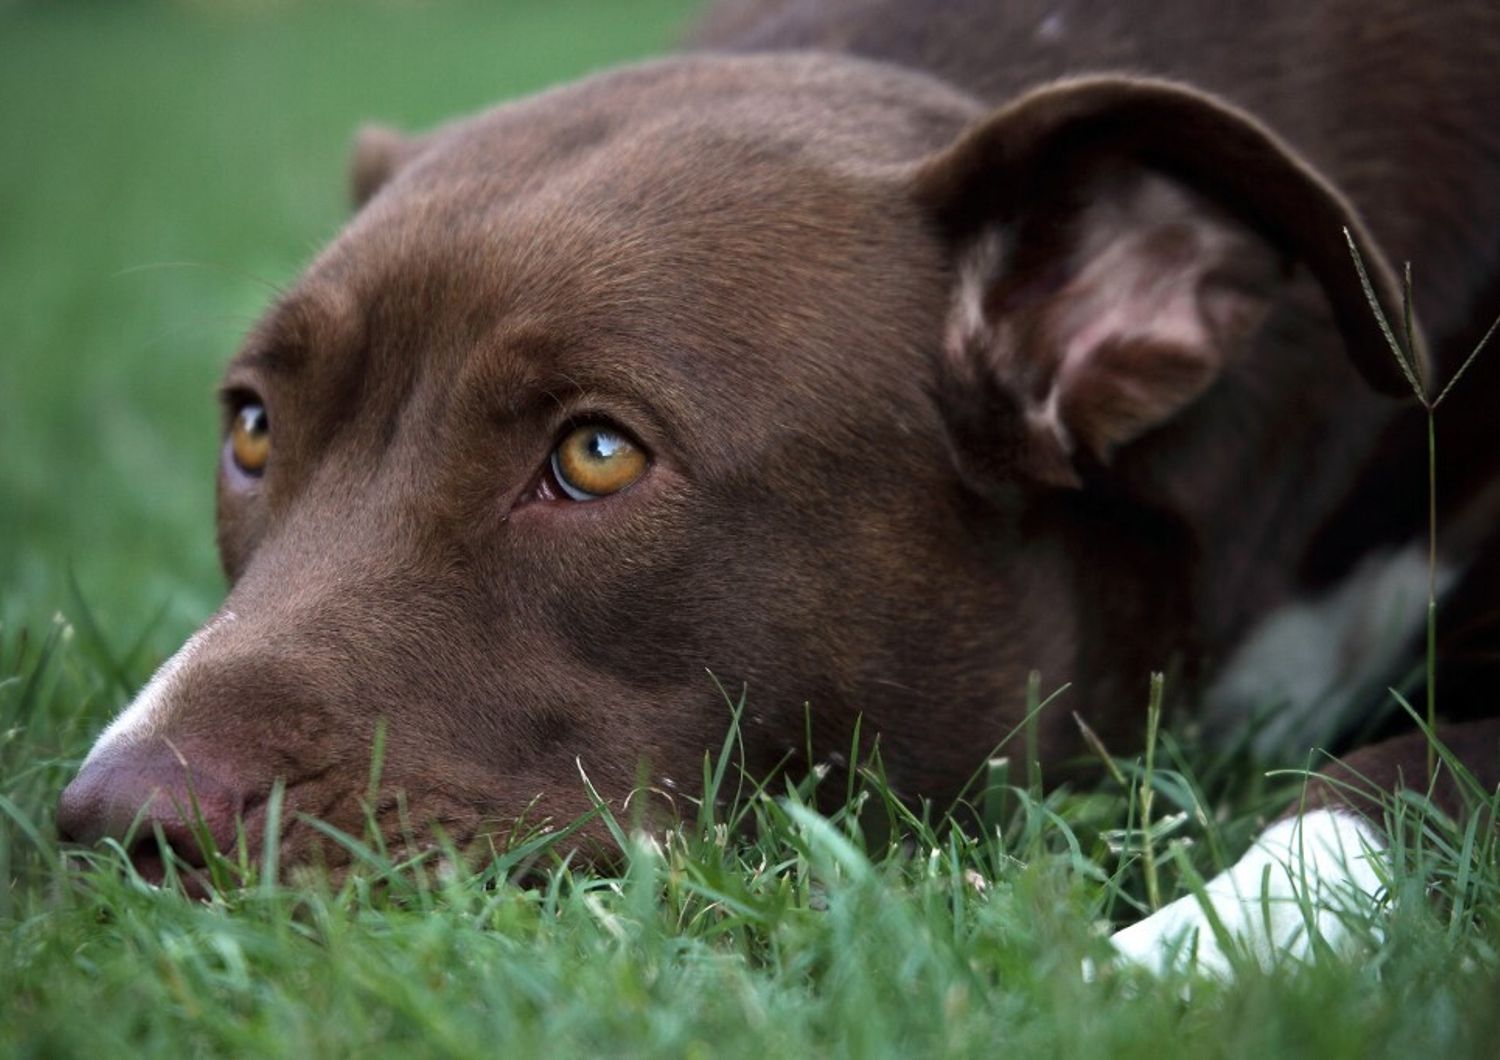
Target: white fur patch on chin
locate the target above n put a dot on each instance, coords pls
(145, 714)
(1304, 878)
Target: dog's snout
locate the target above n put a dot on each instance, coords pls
(131, 794)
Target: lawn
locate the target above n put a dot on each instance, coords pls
(163, 168)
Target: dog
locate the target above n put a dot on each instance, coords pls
(870, 355)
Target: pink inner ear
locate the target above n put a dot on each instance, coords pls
(1131, 338)
(1127, 387)
(1160, 288)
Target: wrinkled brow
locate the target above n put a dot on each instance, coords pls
(521, 369)
(298, 324)
(531, 370)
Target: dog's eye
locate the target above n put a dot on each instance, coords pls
(596, 460)
(250, 438)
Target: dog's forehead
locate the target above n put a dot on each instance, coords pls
(628, 163)
(842, 110)
(697, 221)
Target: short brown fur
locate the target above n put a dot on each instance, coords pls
(906, 446)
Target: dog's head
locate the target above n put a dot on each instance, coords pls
(801, 371)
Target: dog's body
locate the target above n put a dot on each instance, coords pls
(922, 396)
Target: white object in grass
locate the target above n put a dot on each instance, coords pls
(1313, 877)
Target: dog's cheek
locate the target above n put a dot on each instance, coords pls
(240, 524)
(642, 620)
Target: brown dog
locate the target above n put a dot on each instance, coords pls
(872, 377)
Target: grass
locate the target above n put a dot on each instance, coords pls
(762, 928)
(162, 168)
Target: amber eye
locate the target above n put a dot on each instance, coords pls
(595, 461)
(250, 438)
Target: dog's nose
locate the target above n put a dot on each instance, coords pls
(131, 793)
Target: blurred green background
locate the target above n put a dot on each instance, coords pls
(164, 167)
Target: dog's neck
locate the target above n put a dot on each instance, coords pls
(1178, 588)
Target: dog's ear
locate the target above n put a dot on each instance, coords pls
(1118, 244)
(379, 151)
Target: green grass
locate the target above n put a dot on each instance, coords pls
(763, 930)
(162, 169)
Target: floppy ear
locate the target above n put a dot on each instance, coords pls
(379, 151)
(1119, 245)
